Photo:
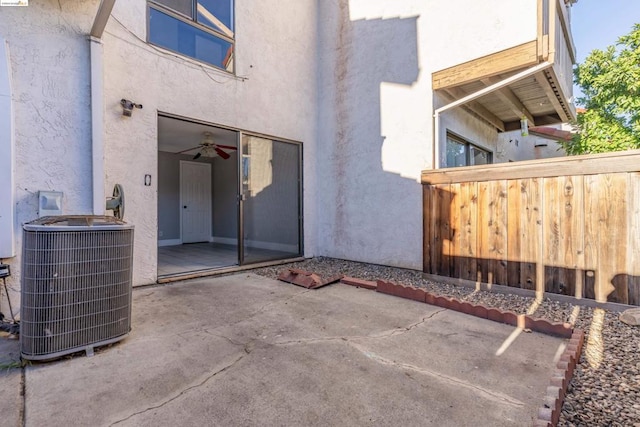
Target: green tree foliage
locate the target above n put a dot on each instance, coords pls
(610, 81)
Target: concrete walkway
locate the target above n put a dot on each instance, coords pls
(11, 402)
(247, 350)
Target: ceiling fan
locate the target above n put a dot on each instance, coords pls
(208, 147)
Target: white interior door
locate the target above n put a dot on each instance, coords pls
(195, 201)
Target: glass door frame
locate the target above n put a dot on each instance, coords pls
(242, 197)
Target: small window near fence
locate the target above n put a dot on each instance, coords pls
(462, 153)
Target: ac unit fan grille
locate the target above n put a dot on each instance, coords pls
(76, 290)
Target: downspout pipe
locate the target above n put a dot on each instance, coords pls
(97, 104)
(7, 157)
(475, 95)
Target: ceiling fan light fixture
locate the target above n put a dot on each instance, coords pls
(208, 148)
(208, 139)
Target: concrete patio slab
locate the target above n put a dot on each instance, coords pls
(247, 350)
(11, 381)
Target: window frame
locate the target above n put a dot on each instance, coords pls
(467, 150)
(153, 4)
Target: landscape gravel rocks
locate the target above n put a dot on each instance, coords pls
(605, 390)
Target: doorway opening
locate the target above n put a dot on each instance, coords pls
(225, 197)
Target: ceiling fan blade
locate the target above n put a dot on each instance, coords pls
(188, 149)
(222, 153)
(197, 156)
(227, 147)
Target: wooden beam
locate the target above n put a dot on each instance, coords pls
(540, 29)
(515, 58)
(511, 99)
(477, 108)
(622, 161)
(542, 80)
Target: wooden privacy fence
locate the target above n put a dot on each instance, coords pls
(566, 225)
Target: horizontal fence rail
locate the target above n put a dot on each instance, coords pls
(565, 225)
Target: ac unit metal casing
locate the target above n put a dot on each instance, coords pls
(76, 285)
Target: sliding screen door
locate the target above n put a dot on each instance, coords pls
(271, 215)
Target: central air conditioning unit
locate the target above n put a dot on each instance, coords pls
(76, 285)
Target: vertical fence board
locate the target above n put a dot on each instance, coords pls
(461, 233)
(473, 231)
(530, 230)
(465, 233)
(492, 233)
(562, 241)
(442, 226)
(427, 227)
(633, 245)
(500, 240)
(434, 238)
(484, 222)
(436, 246)
(514, 232)
(590, 236)
(571, 226)
(455, 230)
(612, 211)
(551, 228)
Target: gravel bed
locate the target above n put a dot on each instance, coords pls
(605, 390)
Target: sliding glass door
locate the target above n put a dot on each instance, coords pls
(270, 200)
(225, 197)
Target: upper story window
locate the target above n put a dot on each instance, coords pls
(462, 153)
(200, 29)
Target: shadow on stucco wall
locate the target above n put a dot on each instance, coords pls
(360, 204)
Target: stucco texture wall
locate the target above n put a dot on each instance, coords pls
(513, 147)
(376, 108)
(274, 93)
(49, 60)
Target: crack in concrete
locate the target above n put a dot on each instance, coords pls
(402, 331)
(22, 414)
(257, 312)
(380, 335)
(226, 325)
(265, 306)
(349, 340)
(246, 350)
(239, 344)
(490, 394)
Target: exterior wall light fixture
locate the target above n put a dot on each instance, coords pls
(128, 106)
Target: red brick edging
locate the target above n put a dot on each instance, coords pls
(549, 412)
(306, 279)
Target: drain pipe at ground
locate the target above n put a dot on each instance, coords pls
(97, 104)
(436, 115)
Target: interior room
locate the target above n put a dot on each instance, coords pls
(225, 198)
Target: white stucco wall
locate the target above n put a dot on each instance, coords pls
(49, 56)
(457, 31)
(513, 147)
(274, 94)
(376, 108)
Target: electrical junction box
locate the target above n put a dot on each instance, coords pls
(4, 270)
